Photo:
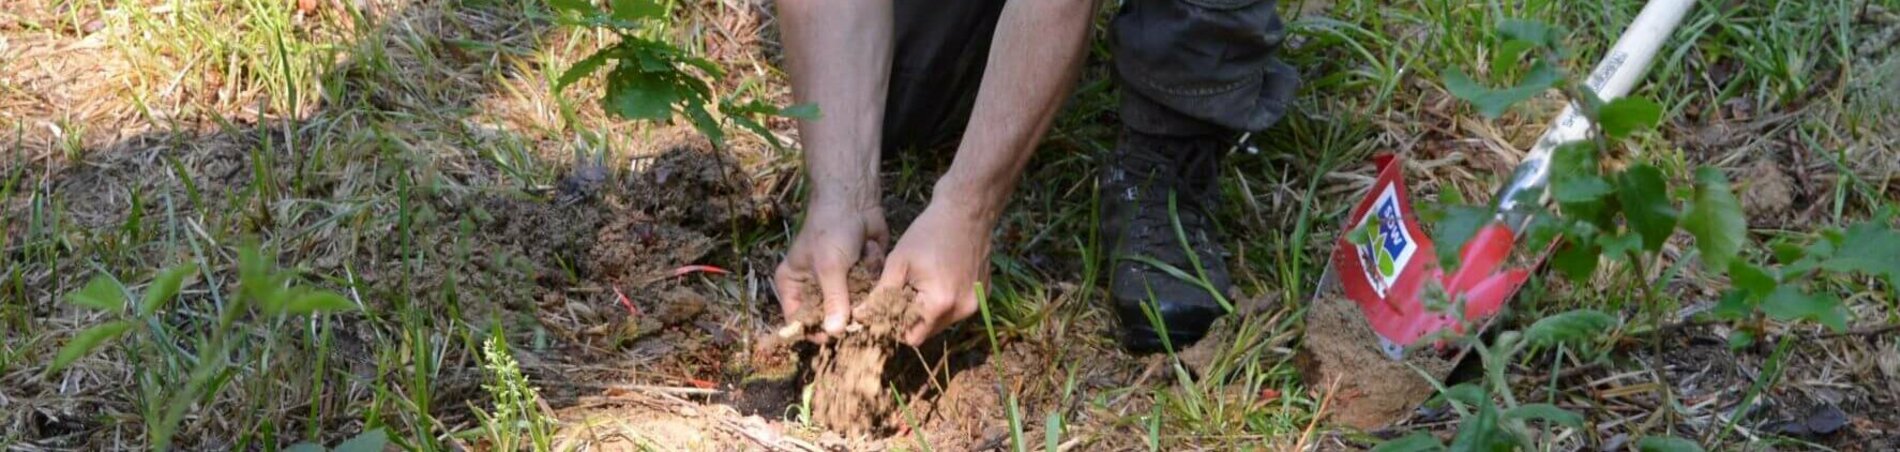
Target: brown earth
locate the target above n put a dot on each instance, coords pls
(1340, 354)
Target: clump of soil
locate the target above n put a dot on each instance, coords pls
(1768, 191)
(1341, 353)
(849, 375)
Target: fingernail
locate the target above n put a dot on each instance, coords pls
(834, 324)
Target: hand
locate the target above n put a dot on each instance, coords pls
(835, 235)
(943, 256)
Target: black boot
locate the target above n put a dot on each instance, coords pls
(1138, 227)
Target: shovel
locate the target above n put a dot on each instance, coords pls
(1388, 274)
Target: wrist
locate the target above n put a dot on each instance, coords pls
(973, 197)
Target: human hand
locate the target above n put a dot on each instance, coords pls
(943, 256)
(834, 237)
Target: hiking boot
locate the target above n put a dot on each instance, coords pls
(1137, 181)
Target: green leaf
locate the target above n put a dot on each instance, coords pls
(86, 341)
(1616, 246)
(306, 447)
(1480, 432)
(1531, 31)
(583, 68)
(636, 95)
(1645, 200)
(1468, 394)
(373, 440)
(1415, 442)
(630, 10)
(1753, 279)
(580, 6)
(1546, 412)
(164, 287)
(1577, 259)
(807, 111)
(1492, 103)
(1868, 248)
(1576, 184)
(705, 124)
(1666, 444)
(1052, 431)
(1568, 327)
(103, 293)
(1735, 304)
(1629, 114)
(312, 302)
(1790, 303)
(1715, 219)
(1508, 53)
(1740, 339)
(1451, 231)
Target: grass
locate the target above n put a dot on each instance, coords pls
(374, 147)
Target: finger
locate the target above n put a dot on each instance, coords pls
(873, 255)
(936, 309)
(790, 285)
(834, 282)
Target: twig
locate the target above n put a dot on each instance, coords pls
(1318, 414)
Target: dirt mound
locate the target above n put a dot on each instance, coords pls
(1340, 353)
(695, 187)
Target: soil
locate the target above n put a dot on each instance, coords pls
(1340, 354)
(1767, 192)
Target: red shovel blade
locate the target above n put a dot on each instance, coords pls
(1388, 274)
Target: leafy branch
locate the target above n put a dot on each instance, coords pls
(654, 80)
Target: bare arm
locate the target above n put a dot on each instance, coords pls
(1034, 59)
(1037, 56)
(838, 53)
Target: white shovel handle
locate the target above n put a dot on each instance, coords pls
(1613, 77)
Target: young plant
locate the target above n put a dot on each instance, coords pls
(651, 79)
(167, 397)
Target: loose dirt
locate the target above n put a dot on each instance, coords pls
(1340, 354)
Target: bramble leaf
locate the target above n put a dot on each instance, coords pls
(1620, 117)
(1869, 248)
(1533, 32)
(373, 440)
(1577, 259)
(1492, 102)
(1451, 231)
(581, 6)
(103, 293)
(1645, 200)
(1753, 279)
(85, 342)
(1571, 326)
(1790, 303)
(1715, 219)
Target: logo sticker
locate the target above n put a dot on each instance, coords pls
(1390, 246)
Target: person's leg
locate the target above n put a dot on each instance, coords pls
(1193, 74)
(935, 69)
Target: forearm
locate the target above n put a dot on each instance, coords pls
(838, 53)
(1034, 60)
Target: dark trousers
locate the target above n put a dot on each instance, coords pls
(1185, 67)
